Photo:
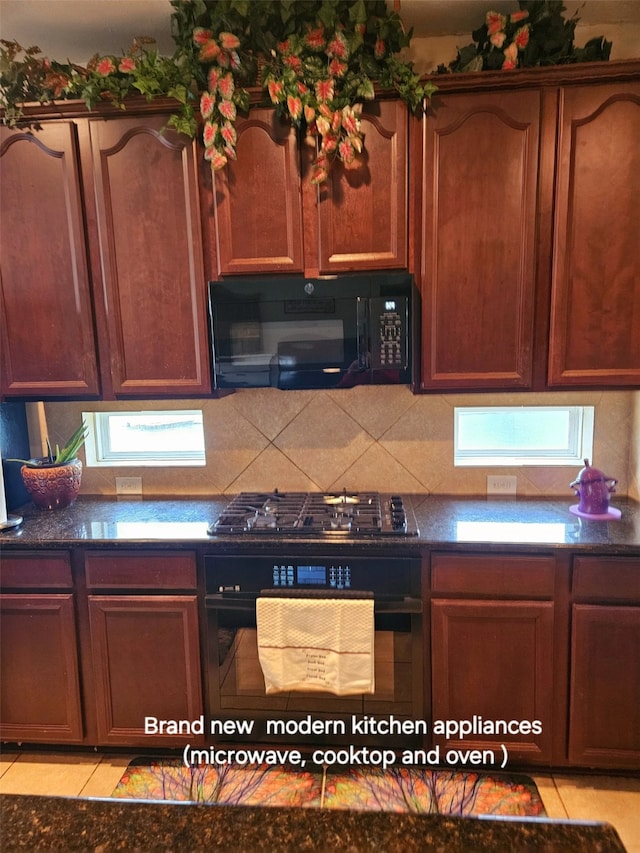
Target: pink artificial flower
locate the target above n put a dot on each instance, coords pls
(315, 38)
(276, 90)
(337, 68)
(223, 59)
(498, 39)
(230, 152)
(226, 86)
(323, 125)
(495, 22)
(207, 104)
(521, 37)
(294, 105)
(330, 142)
(234, 60)
(228, 109)
(380, 49)
(213, 78)
(338, 47)
(346, 152)
(209, 133)
(128, 63)
(319, 174)
(228, 133)
(324, 90)
(302, 89)
(105, 67)
(209, 51)
(284, 46)
(309, 113)
(201, 36)
(336, 120)
(294, 62)
(229, 41)
(508, 65)
(350, 121)
(218, 160)
(519, 16)
(511, 53)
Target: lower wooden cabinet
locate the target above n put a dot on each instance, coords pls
(492, 653)
(146, 663)
(604, 720)
(40, 688)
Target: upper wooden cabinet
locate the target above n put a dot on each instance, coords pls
(268, 217)
(595, 313)
(47, 335)
(478, 224)
(145, 193)
(524, 197)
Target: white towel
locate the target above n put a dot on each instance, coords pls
(316, 644)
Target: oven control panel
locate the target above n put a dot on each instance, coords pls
(237, 575)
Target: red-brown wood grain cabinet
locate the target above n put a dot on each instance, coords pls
(595, 311)
(142, 192)
(604, 721)
(492, 652)
(145, 651)
(266, 216)
(40, 699)
(47, 342)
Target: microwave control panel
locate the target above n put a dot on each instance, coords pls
(389, 325)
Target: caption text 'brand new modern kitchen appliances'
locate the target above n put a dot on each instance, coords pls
(326, 562)
(294, 333)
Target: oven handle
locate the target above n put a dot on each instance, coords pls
(381, 604)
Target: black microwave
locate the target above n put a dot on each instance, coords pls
(328, 332)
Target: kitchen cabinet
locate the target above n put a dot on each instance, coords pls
(604, 722)
(595, 309)
(143, 619)
(492, 652)
(524, 197)
(40, 685)
(47, 338)
(268, 217)
(142, 190)
(478, 224)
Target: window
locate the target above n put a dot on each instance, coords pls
(523, 435)
(145, 438)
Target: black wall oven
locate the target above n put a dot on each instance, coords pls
(235, 681)
(329, 332)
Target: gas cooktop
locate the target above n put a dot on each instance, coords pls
(346, 514)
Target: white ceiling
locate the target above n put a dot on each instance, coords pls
(76, 29)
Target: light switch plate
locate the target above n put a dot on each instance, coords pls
(501, 484)
(128, 485)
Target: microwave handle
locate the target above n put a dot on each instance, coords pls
(363, 334)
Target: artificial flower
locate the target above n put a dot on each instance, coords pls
(324, 90)
(276, 90)
(209, 133)
(127, 64)
(495, 22)
(226, 86)
(229, 41)
(294, 105)
(207, 104)
(518, 16)
(209, 51)
(315, 38)
(202, 36)
(498, 39)
(105, 66)
(521, 37)
(227, 109)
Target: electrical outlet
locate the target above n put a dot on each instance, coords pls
(128, 485)
(501, 485)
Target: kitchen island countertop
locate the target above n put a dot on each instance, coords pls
(61, 823)
(442, 521)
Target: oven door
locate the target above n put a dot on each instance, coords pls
(237, 689)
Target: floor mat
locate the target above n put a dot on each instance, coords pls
(366, 789)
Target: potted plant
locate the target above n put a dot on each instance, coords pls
(53, 481)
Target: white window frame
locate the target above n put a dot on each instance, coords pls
(578, 444)
(98, 451)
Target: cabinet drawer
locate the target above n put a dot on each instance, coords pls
(141, 571)
(488, 574)
(31, 570)
(611, 578)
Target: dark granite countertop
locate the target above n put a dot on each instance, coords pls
(60, 823)
(529, 524)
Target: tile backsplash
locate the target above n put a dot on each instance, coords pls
(379, 438)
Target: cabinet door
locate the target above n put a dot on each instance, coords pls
(493, 660)
(46, 326)
(146, 193)
(604, 728)
(595, 317)
(146, 661)
(363, 211)
(480, 162)
(40, 688)
(257, 202)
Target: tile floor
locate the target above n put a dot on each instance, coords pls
(614, 799)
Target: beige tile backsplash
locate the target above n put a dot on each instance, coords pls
(361, 438)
